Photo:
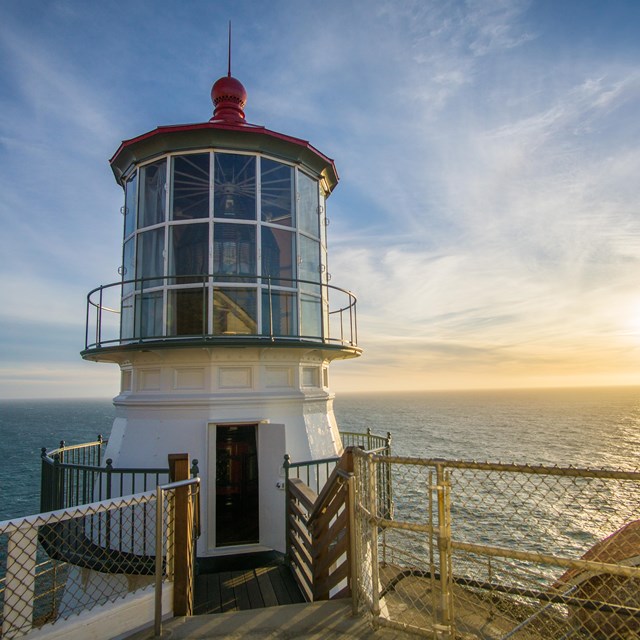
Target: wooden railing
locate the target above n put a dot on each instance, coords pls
(318, 533)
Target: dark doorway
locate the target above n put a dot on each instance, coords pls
(237, 518)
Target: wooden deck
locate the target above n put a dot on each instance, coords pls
(248, 588)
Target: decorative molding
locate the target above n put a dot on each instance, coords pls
(125, 380)
(189, 378)
(235, 378)
(310, 377)
(278, 377)
(149, 379)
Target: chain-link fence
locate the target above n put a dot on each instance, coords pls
(58, 564)
(474, 550)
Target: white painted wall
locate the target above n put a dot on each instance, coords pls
(177, 394)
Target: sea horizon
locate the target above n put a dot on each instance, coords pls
(377, 391)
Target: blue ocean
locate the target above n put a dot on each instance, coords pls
(582, 427)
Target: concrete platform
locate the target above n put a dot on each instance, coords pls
(327, 620)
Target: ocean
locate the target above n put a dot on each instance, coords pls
(580, 427)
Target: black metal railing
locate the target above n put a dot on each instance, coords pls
(335, 317)
(77, 475)
(315, 472)
(74, 475)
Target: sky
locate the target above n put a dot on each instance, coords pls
(488, 213)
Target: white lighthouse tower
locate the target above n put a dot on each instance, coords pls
(227, 321)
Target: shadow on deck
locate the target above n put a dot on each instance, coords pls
(238, 583)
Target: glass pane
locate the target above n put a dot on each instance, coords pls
(278, 313)
(190, 194)
(309, 268)
(234, 251)
(126, 318)
(128, 267)
(148, 320)
(187, 312)
(234, 192)
(189, 252)
(151, 206)
(278, 252)
(149, 258)
(308, 218)
(130, 206)
(234, 311)
(310, 317)
(277, 192)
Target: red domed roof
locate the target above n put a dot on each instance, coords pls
(229, 97)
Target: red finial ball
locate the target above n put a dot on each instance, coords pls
(228, 97)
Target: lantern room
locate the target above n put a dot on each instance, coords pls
(225, 235)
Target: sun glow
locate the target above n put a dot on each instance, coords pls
(634, 321)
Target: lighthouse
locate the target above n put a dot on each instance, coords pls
(224, 322)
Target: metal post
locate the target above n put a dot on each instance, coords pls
(107, 531)
(351, 332)
(99, 461)
(58, 483)
(109, 469)
(45, 482)
(99, 321)
(353, 542)
(354, 335)
(287, 508)
(372, 504)
(444, 550)
(157, 627)
(86, 329)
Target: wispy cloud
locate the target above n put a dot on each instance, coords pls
(487, 215)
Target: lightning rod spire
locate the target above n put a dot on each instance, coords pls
(229, 54)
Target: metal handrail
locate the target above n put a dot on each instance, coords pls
(344, 314)
(85, 478)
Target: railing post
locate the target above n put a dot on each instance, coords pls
(195, 472)
(373, 542)
(109, 470)
(99, 322)
(444, 550)
(179, 469)
(351, 530)
(287, 509)
(354, 334)
(353, 542)
(157, 626)
(46, 481)
(86, 329)
(58, 484)
(107, 515)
